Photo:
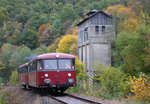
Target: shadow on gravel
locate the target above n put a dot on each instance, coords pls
(45, 92)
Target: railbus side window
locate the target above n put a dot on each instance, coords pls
(30, 67)
(73, 63)
(19, 71)
(39, 65)
(34, 66)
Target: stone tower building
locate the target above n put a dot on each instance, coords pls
(95, 35)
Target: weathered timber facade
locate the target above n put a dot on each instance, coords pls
(96, 33)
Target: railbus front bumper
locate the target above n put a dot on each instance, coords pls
(57, 86)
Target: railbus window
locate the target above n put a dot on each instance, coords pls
(50, 64)
(34, 65)
(64, 64)
(73, 63)
(39, 65)
(30, 67)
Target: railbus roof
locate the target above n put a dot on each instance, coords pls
(54, 55)
(23, 65)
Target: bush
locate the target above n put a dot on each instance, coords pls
(14, 77)
(1, 84)
(81, 78)
(4, 97)
(80, 69)
(140, 87)
(112, 81)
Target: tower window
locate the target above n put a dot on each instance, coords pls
(86, 34)
(97, 29)
(103, 29)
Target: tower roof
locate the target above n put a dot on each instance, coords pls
(93, 13)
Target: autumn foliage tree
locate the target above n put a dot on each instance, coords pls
(40, 32)
(66, 43)
(124, 17)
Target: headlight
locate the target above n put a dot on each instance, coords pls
(46, 75)
(47, 81)
(70, 80)
(69, 74)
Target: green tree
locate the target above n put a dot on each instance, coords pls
(40, 50)
(57, 26)
(29, 38)
(20, 57)
(3, 15)
(16, 38)
(7, 51)
(67, 13)
(132, 50)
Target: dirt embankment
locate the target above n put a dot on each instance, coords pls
(19, 95)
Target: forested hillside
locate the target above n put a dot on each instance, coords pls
(37, 23)
(20, 20)
(32, 27)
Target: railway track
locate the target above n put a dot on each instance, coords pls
(67, 98)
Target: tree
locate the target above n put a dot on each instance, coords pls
(40, 50)
(120, 14)
(11, 32)
(48, 37)
(66, 43)
(75, 31)
(16, 38)
(40, 32)
(67, 13)
(7, 51)
(21, 56)
(29, 38)
(2, 66)
(67, 27)
(133, 50)
(52, 48)
(3, 15)
(57, 26)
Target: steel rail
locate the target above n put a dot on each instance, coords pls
(83, 99)
(57, 99)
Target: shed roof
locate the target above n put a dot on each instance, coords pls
(93, 14)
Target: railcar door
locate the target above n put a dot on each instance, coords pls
(32, 73)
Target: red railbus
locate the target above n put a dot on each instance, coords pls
(23, 74)
(54, 71)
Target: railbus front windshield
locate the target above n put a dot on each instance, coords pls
(62, 64)
(50, 64)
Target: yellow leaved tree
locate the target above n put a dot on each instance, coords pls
(140, 87)
(124, 17)
(75, 31)
(66, 43)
